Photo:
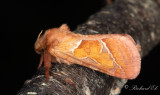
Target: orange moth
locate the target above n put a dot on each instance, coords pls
(113, 54)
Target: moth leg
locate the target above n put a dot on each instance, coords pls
(47, 63)
(41, 61)
(54, 58)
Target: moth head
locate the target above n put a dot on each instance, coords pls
(51, 38)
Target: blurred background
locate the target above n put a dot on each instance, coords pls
(21, 23)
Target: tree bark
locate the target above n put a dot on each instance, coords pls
(139, 18)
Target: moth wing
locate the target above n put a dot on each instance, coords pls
(126, 56)
(116, 55)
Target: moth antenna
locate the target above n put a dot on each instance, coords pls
(39, 34)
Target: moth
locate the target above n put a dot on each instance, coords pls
(113, 54)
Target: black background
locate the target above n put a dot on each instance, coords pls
(22, 21)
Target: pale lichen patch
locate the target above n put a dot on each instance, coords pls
(152, 36)
(44, 84)
(31, 93)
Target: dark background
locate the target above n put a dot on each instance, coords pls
(21, 22)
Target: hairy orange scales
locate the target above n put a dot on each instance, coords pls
(114, 54)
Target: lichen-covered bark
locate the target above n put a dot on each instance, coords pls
(139, 18)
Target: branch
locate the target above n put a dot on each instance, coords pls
(139, 18)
